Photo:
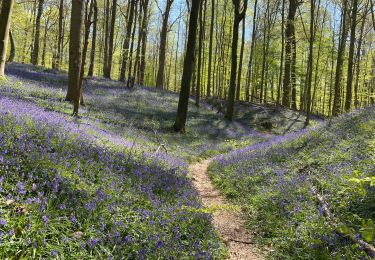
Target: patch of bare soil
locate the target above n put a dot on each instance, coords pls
(229, 223)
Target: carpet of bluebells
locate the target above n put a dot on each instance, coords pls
(143, 115)
(146, 115)
(274, 179)
(66, 193)
(98, 187)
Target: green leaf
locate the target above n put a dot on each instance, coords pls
(372, 183)
(368, 235)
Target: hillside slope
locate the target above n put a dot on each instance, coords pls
(68, 192)
(274, 181)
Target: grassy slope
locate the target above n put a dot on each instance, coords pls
(272, 181)
(65, 193)
(143, 115)
(103, 166)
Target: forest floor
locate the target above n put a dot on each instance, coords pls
(222, 189)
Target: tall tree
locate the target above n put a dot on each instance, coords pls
(75, 50)
(239, 15)
(249, 66)
(35, 53)
(282, 52)
(108, 69)
(310, 60)
(60, 37)
(87, 24)
(208, 94)
(163, 44)
(142, 68)
(290, 50)
(5, 16)
(349, 83)
(93, 44)
(125, 47)
(12, 53)
(106, 37)
(238, 91)
(183, 102)
(200, 44)
(340, 60)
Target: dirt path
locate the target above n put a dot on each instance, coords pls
(229, 223)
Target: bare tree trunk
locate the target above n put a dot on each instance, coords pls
(238, 91)
(349, 82)
(249, 67)
(6, 14)
(35, 54)
(282, 52)
(12, 53)
(183, 102)
(310, 60)
(125, 47)
(93, 44)
(130, 81)
(340, 61)
(144, 41)
(358, 55)
(60, 37)
(106, 38)
(238, 17)
(163, 44)
(111, 38)
(137, 55)
(200, 44)
(289, 52)
(176, 55)
(79, 97)
(75, 51)
(46, 22)
(208, 93)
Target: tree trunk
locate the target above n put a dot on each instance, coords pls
(238, 91)
(79, 97)
(12, 53)
(249, 67)
(340, 62)
(210, 49)
(310, 61)
(282, 53)
(93, 44)
(200, 44)
(238, 17)
(349, 83)
(111, 38)
(358, 55)
(125, 47)
(289, 52)
(75, 51)
(183, 102)
(130, 78)
(139, 39)
(44, 51)
(142, 68)
(6, 14)
(35, 54)
(163, 45)
(60, 37)
(106, 38)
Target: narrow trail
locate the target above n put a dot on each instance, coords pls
(229, 224)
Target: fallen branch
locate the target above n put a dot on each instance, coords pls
(368, 248)
(161, 146)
